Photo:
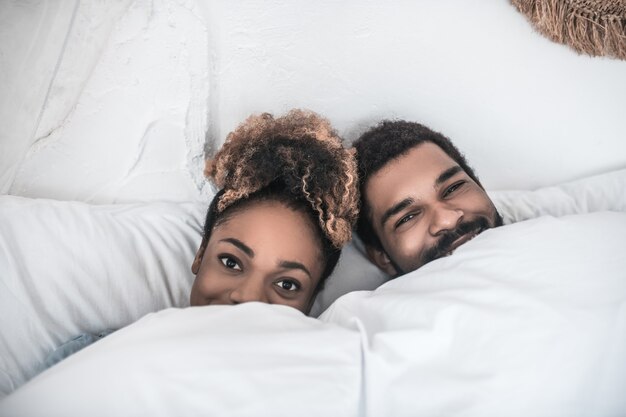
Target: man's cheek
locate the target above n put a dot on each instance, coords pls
(410, 250)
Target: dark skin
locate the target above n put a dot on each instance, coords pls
(423, 206)
(266, 252)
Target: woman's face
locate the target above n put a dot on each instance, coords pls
(264, 252)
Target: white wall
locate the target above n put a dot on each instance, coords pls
(527, 112)
(142, 81)
(126, 116)
(32, 37)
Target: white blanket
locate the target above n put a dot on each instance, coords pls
(524, 320)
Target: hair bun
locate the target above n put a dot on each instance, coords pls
(305, 153)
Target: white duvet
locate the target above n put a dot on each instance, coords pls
(525, 320)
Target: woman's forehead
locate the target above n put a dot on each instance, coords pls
(272, 230)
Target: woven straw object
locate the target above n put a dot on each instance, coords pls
(593, 27)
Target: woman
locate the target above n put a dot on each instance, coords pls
(273, 233)
(287, 202)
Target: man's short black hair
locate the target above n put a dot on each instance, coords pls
(385, 142)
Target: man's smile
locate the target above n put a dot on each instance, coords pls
(463, 239)
(448, 243)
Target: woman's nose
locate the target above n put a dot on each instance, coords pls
(248, 289)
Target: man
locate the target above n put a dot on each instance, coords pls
(419, 198)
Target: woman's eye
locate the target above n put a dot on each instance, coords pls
(230, 263)
(288, 285)
(453, 188)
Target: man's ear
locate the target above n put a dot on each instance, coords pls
(379, 258)
(195, 266)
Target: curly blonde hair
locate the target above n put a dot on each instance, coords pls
(302, 152)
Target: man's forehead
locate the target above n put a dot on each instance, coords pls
(407, 176)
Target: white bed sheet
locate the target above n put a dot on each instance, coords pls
(249, 360)
(524, 320)
(527, 319)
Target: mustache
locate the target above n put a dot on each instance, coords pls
(444, 244)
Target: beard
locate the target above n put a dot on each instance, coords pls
(443, 246)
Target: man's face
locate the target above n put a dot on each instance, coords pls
(423, 206)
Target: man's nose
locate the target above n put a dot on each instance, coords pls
(444, 219)
(248, 289)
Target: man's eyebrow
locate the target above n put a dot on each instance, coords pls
(238, 243)
(295, 265)
(395, 209)
(447, 174)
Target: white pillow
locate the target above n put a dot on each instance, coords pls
(248, 360)
(524, 320)
(68, 268)
(596, 193)
(600, 192)
(354, 272)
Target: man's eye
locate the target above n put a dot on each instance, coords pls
(288, 285)
(404, 220)
(453, 188)
(230, 263)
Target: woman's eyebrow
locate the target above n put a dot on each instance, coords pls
(238, 243)
(295, 265)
